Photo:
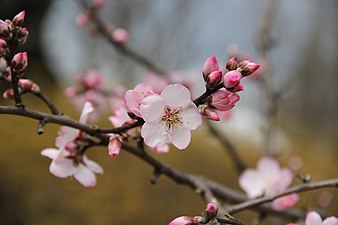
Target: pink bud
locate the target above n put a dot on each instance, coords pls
(247, 67)
(213, 79)
(232, 78)
(22, 35)
(209, 113)
(9, 94)
(114, 146)
(120, 35)
(210, 65)
(238, 88)
(184, 220)
(98, 3)
(224, 100)
(70, 92)
(19, 19)
(4, 29)
(92, 79)
(29, 85)
(20, 61)
(82, 19)
(232, 63)
(3, 47)
(211, 210)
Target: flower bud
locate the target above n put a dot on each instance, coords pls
(29, 85)
(120, 35)
(98, 3)
(114, 146)
(232, 78)
(209, 113)
(211, 210)
(22, 35)
(184, 220)
(4, 29)
(20, 61)
(210, 65)
(247, 67)
(82, 19)
(238, 88)
(223, 100)
(19, 19)
(232, 64)
(213, 79)
(3, 47)
(9, 94)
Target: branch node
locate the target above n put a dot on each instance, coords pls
(156, 174)
(41, 124)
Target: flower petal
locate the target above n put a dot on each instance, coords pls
(161, 149)
(143, 90)
(154, 134)
(62, 168)
(268, 166)
(180, 137)
(331, 221)
(191, 117)
(251, 182)
(87, 108)
(152, 108)
(133, 101)
(93, 166)
(313, 218)
(50, 152)
(66, 134)
(85, 176)
(176, 95)
(285, 202)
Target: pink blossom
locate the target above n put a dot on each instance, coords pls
(285, 202)
(313, 218)
(133, 98)
(232, 78)
(210, 65)
(120, 35)
(267, 179)
(232, 63)
(224, 100)
(67, 161)
(211, 210)
(169, 117)
(120, 117)
(82, 19)
(184, 220)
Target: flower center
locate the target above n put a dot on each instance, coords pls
(172, 117)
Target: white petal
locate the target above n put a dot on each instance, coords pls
(93, 166)
(268, 166)
(85, 176)
(154, 134)
(87, 108)
(180, 137)
(66, 134)
(176, 95)
(251, 182)
(152, 108)
(62, 168)
(143, 90)
(313, 218)
(50, 152)
(284, 180)
(331, 221)
(161, 149)
(191, 117)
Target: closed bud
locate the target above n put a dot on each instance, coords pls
(98, 3)
(4, 29)
(29, 85)
(3, 47)
(9, 94)
(19, 19)
(120, 35)
(184, 220)
(211, 210)
(210, 65)
(22, 35)
(232, 64)
(232, 78)
(213, 79)
(208, 112)
(114, 146)
(82, 19)
(238, 88)
(247, 67)
(20, 61)
(223, 100)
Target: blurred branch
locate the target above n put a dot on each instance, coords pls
(101, 28)
(297, 189)
(230, 147)
(47, 101)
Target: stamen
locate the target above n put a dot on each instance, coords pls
(172, 117)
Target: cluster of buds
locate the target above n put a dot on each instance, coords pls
(12, 30)
(225, 98)
(25, 85)
(209, 217)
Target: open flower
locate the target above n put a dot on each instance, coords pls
(67, 160)
(133, 98)
(313, 218)
(268, 179)
(169, 117)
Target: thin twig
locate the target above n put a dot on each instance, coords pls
(47, 101)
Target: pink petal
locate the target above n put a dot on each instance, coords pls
(176, 95)
(143, 90)
(331, 221)
(183, 220)
(93, 166)
(180, 137)
(285, 202)
(85, 176)
(133, 101)
(250, 181)
(268, 166)
(66, 134)
(50, 152)
(284, 180)
(154, 134)
(161, 149)
(87, 108)
(313, 218)
(152, 108)
(191, 117)
(62, 168)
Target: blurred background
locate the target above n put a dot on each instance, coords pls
(177, 36)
